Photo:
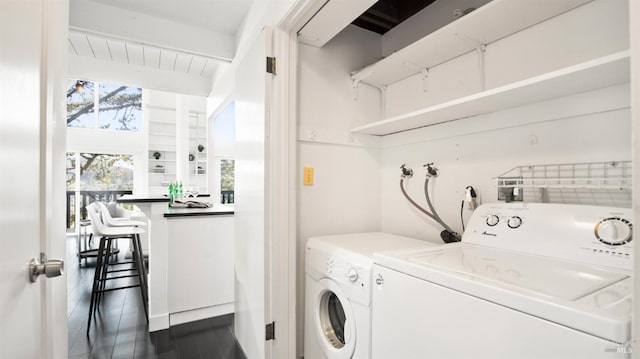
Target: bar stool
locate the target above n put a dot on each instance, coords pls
(102, 273)
(82, 238)
(117, 221)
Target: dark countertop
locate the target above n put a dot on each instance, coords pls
(216, 210)
(137, 198)
(173, 212)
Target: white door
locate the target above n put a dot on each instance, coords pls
(33, 320)
(253, 91)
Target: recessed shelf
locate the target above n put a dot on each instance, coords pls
(491, 22)
(591, 75)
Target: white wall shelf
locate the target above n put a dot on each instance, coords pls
(603, 72)
(491, 22)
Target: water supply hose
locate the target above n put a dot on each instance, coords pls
(413, 202)
(435, 214)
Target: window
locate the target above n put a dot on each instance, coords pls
(95, 177)
(224, 133)
(80, 103)
(227, 168)
(119, 107)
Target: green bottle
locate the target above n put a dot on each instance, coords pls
(172, 193)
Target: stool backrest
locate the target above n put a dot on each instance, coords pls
(96, 219)
(106, 215)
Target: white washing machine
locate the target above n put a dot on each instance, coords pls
(527, 281)
(338, 292)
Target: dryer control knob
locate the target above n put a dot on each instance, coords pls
(514, 222)
(352, 274)
(613, 231)
(492, 220)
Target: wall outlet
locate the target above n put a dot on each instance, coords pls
(307, 176)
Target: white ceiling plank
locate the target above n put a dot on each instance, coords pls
(100, 48)
(72, 50)
(118, 51)
(80, 44)
(182, 63)
(143, 76)
(197, 65)
(210, 68)
(134, 54)
(167, 60)
(144, 28)
(151, 57)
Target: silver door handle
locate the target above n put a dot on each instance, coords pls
(48, 267)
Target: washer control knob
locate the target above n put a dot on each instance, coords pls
(352, 274)
(514, 222)
(492, 220)
(613, 231)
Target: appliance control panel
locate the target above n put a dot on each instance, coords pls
(589, 234)
(352, 278)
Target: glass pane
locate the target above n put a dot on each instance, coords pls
(120, 107)
(103, 172)
(227, 170)
(225, 123)
(80, 105)
(71, 170)
(337, 317)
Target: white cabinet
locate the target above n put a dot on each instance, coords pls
(200, 267)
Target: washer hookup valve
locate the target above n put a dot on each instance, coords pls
(431, 171)
(406, 172)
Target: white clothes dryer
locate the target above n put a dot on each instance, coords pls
(528, 280)
(338, 292)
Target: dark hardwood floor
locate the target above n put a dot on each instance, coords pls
(120, 330)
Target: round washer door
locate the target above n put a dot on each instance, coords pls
(334, 321)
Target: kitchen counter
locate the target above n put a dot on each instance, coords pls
(184, 241)
(216, 210)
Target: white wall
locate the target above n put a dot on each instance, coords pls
(589, 127)
(345, 197)
(562, 41)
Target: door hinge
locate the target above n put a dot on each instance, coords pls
(271, 65)
(270, 331)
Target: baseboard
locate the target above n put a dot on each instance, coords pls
(158, 322)
(200, 313)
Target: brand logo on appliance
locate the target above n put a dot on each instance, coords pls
(379, 280)
(485, 233)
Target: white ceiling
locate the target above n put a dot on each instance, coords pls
(162, 44)
(224, 16)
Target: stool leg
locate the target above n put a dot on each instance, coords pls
(96, 277)
(105, 268)
(79, 248)
(142, 273)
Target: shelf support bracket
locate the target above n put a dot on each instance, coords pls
(383, 94)
(423, 70)
(354, 85)
(480, 48)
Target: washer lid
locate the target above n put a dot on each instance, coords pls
(540, 275)
(587, 298)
